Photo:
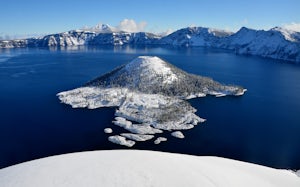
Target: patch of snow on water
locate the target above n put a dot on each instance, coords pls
(135, 128)
(151, 112)
(108, 130)
(177, 134)
(137, 137)
(121, 140)
(160, 139)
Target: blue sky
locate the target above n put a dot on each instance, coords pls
(21, 17)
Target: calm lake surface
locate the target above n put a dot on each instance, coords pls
(263, 126)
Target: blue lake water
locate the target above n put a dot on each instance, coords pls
(263, 126)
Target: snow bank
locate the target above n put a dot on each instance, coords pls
(132, 168)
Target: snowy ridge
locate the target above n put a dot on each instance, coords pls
(153, 75)
(149, 94)
(132, 168)
(289, 35)
(276, 43)
(194, 36)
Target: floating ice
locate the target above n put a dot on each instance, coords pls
(121, 140)
(108, 130)
(177, 134)
(137, 137)
(160, 139)
(136, 128)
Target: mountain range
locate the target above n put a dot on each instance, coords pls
(276, 43)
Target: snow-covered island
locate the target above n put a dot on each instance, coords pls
(132, 168)
(150, 95)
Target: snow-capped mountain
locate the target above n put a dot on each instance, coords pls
(195, 36)
(150, 95)
(153, 75)
(123, 38)
(276, 43)
(104, 28)
(71, 38)
(101, 34)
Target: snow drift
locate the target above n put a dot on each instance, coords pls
(131, 168)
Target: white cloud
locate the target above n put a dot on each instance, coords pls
(292, 26)
(130, 25)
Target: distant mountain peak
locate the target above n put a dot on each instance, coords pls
(106, 28)
(100, 28)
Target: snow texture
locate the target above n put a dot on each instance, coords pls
(133, 168)
(141, 92)
(298, 173)
(151, 67)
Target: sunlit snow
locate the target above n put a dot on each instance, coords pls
(132, 168)
(150, 95)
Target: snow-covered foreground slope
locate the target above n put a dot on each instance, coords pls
(150, 95)
(132, 168)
